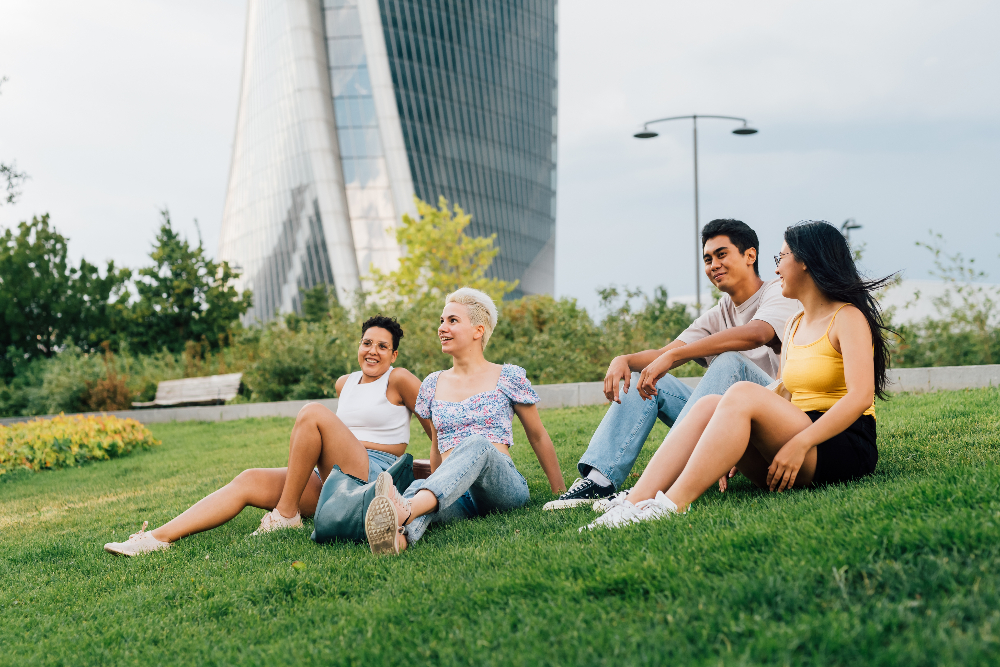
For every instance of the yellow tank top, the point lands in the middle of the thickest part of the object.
(814, 373)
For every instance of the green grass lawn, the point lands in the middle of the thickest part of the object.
(901, 568)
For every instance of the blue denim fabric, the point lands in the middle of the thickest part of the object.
(474, 480)
(624, 429)
(379, 461)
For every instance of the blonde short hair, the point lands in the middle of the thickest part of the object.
(482, 310)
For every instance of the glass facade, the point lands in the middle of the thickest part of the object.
(476, 85)
(366, 178)
(349, 107)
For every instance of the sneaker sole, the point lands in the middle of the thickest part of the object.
(381, 526)
(567, 504)
(121, 552)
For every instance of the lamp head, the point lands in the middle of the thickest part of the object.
(744, 130)
(645, 134)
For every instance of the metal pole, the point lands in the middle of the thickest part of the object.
(697, 225)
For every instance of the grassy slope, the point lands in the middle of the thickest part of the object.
(900, 568)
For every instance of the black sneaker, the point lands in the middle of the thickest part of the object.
(583, 492)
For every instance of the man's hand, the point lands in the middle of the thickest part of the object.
(785, 466)
(618, 371)
(724, 480)
(653, 373)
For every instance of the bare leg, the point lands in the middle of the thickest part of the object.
(258, 487)
(669, 460)
(320, 438)
(747, 417)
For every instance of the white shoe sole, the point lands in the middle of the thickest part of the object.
(567, 504)
(381, 525)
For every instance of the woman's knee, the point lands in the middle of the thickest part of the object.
(706, 405)
(313, 412)
(742, 393)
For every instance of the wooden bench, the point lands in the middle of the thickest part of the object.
(421, 468)
(211, 390)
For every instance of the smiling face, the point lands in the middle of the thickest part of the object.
(793, 273)
(375, 353)
(456, 331)
(725, 266)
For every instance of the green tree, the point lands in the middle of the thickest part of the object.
(46, 302)
(440, 257)
(183, 296)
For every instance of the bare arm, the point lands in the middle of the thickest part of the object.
(851, 334)
(541, 443)
(408, 386)
(435, 452)
(339, 386)
(749, 336)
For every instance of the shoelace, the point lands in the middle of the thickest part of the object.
(141, 534)
(577, 485)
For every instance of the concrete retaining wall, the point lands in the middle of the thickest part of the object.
(573, 394)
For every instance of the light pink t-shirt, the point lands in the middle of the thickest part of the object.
(766, 305)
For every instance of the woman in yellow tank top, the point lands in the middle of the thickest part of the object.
(833, 367)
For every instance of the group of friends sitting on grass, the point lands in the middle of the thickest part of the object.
(788, 400)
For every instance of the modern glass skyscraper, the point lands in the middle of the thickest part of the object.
(349, 108)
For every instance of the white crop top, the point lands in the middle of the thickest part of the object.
(369, 415)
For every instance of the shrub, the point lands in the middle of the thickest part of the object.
(69, 441)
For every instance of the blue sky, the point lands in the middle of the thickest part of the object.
(886, 112)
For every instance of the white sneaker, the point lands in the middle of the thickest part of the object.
(137, 543)
(274, 521)
(659, 507)
(616, 517)
(382, 523)
(604, 504)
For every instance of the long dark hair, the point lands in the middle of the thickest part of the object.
(823, 249)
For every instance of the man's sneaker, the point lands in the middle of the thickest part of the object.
(274, 521)
(604, 504)
(137, 543)
(384, 486)
(582, 492)
(382, 523)
(616, 517)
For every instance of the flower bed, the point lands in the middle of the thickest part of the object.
(69, 441)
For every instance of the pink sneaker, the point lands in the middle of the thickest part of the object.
(385, 487)
(382, 523)
(274, 521)
(137, 543)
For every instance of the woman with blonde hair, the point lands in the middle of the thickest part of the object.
(471, 406)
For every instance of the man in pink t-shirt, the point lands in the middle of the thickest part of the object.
(738, 339)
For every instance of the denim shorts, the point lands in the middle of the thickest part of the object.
(379, 461)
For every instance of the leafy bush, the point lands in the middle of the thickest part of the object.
(69, 441)
(966, 330)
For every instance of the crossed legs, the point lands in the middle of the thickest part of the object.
(745, 428)
(319, 439)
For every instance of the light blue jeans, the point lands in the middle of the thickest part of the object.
(474, 480)
(624, 429)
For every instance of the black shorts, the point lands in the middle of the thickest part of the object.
(850, 454)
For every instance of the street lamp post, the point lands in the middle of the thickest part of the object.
(646, 133)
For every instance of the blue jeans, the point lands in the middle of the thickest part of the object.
(474, 480)
(624, 429)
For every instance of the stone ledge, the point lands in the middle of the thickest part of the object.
(569, 395)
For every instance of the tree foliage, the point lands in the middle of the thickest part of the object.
(46, 302)
(183, 296)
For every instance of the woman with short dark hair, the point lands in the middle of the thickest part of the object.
(817, 427)
(370, 430)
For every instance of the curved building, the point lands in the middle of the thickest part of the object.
(350, 108)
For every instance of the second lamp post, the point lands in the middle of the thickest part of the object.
(646, 133)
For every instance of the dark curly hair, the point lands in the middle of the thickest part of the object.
(388, 323)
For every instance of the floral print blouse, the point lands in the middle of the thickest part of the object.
(488, 414)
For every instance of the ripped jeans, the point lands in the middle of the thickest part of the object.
(475, 480)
